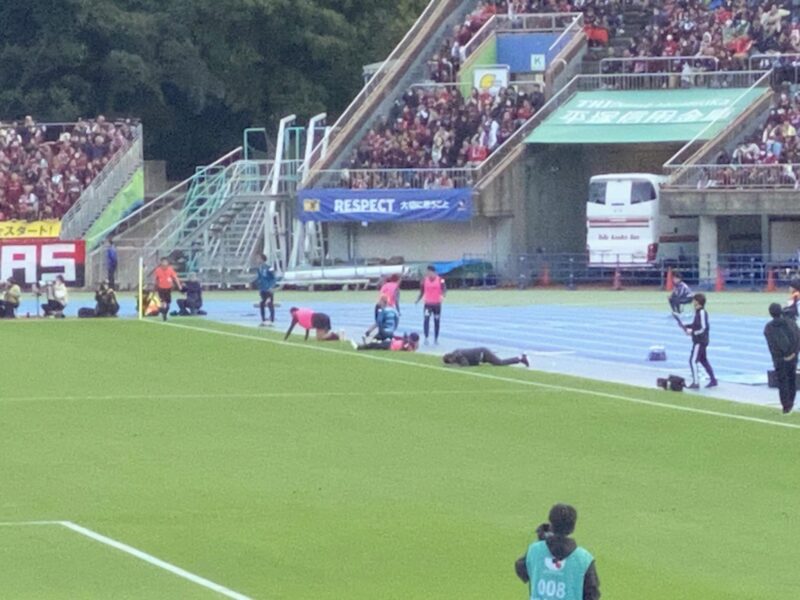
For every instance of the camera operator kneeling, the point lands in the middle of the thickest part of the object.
(56, 298)
(10, 302)
(106, 298)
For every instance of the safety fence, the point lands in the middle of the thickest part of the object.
(739, 271)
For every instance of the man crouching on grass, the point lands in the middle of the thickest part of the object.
(308, 320)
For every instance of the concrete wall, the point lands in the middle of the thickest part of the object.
(421, 241)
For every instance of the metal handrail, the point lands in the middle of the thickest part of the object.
(393, 178)
(754, 58)
(142, 210)
(669, 60)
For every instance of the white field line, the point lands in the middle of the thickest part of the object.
(247, 396)
(148, 558)
(471, 373)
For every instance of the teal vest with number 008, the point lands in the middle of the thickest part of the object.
(553, 579)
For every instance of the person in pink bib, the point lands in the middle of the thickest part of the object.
(432, 290)
(391, 291)
(308, 320)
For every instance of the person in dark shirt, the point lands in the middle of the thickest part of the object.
(783, 340)
(472, 357)
(193, 303)
(107, 304)
(556, 551)
(681, 293)
(699, 332)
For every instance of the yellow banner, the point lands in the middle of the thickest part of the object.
(14, 230)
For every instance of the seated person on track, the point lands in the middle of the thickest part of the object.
(472, 357)
(106, 301)
(681, 293)
(193, 303)
(386, 321)
(10, 302)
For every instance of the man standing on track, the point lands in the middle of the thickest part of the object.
(111, 263)
(266, 281)
(433, 290)
(783, 340)
(472, 357)
(555, 566)
(166, 280)
(698, 331)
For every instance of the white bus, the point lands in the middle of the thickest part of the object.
(624, 228)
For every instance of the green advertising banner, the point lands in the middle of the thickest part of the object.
(617, 117)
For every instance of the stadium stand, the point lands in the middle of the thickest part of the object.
(45, 167)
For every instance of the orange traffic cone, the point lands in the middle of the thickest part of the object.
(771, 287)
(720, 283)
(669, 285)
(544, 278)
(617, 283)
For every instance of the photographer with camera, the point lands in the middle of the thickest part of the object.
(10, 302)
(57, 298)
(106, 299)
(555, 566)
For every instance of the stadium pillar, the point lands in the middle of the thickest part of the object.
(707, 250)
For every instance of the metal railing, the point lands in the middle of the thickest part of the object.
(750, 177)
(785, 66)
(175, 194)
(96, 197)
(394, 63)
(396, 178)
(657, 64)
(570, 270)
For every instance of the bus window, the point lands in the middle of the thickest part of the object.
(642, 191)
(597, 192)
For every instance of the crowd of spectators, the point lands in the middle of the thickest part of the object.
(438, 128)
(44, 169)
(767, 157)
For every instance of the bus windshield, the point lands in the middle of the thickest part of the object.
(597, 192)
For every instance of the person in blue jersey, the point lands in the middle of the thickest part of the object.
(386, 321)
(266, 281)
(681, 293)
(555, 566)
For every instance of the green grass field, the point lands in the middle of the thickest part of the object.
(308, 471)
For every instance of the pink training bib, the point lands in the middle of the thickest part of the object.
(303, 316)
(389, 289)
(432, 290)
(396, 345)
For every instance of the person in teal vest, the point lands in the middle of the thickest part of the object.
(555, 566)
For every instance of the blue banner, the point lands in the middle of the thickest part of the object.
(371, 206)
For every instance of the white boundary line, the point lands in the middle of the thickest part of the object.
(256, 395)
(148, 558)
(465, 372)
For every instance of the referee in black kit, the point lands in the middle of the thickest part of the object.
(783, 340)
(698, 330)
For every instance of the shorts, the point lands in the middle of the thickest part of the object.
(321, 321)
(433, 309)
(165, 295)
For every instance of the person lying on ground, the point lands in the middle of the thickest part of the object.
(472, 357)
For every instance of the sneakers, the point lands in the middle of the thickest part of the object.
(524, 360)
(693, 386)
(426, 341)
(267, 324)
(712, 383)
(353, 344)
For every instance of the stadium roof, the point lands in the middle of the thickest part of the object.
(625, 117)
